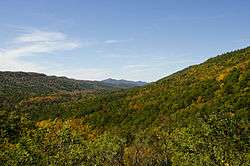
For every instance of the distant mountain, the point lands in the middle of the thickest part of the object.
(18, 85)
(124, 83)
(28, 83)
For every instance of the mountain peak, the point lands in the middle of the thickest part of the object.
(122, 82)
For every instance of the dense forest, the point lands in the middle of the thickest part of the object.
(197, 116)
(19, 85)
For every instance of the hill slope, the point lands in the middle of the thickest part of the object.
(41, 83)
(21, 84)
(198, 116)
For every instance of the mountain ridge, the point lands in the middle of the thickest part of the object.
(124, 82)
(32, 83)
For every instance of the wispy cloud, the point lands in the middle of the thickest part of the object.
(31, 43)
(115, 41)
(37, 41)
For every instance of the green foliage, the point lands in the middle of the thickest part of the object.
(197, 116)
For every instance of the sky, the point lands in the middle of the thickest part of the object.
(122, 39)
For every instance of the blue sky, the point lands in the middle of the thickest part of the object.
(123, 39)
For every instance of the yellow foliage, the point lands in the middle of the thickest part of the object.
(135, 106)
(200, 99)
(223, 75)
(43, 98)
(77, 128)
(43, 124)
(75, 125)
(240, 66)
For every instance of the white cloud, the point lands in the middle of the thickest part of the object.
(40, 36)
(37, 41)
(114, 41)
(31, 43)
(111, 41)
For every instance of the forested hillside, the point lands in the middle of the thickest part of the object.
(19, 85)
(197, 116)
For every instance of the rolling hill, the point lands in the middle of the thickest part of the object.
(17, 85)
(40, 83)
(197, 116)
